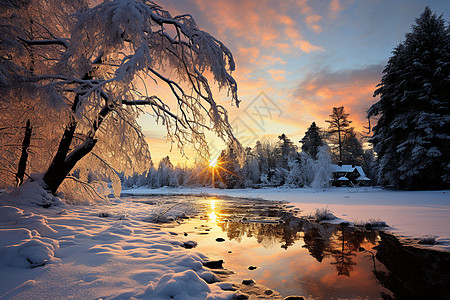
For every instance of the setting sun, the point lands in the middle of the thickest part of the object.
(213, 162)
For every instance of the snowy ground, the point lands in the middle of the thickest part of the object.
(410, 214)
(113, 252)
(98, 252)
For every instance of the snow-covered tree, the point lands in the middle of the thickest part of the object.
(312, 141)
(285, 150)
(85, 72)
(165, 172)
(412, 138)
(250, 171)
(229, 169)
(339, 125)
(322, 169)
(152, 177)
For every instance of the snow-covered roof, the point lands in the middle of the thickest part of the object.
(343, 178)
(348, 169)
(343, 168)
(363, 178)
(361, 171)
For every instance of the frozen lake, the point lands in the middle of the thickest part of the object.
(408, 213)
(296, 256)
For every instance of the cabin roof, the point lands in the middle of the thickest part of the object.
(349, 169)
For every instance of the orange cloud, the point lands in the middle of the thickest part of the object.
(319, 93)
(335, 6)
(312, 21)
(306, 46)
(261, 23)
(268, 60)
(277, 75)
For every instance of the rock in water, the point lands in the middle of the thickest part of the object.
(189, 244)
(215, 264)
(248, 281)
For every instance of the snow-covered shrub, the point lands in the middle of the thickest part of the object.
(427, 240)
(32, 193)
(74, 191)
(296, 174)
(324, 214)
(376, 223)
(322, 169)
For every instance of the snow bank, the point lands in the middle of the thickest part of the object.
(26, 249)
(22, 245)
(92, 252)
(31, 193)
(185, 285)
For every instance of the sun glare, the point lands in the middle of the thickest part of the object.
(213, 162)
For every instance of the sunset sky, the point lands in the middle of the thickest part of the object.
(296, 60)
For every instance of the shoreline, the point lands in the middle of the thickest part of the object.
(345, 204)
(85, 246)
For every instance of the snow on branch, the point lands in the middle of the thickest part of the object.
(57, 41)
(96, 68)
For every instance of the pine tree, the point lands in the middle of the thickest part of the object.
(339, 125)
(312, 141)
(285, 150)
(352, 151)
(165, 170)
(229, 168)
(412, 138)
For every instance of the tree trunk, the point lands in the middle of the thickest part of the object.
(340, 144)
(63, 162)
(24, 156)
(58, 170)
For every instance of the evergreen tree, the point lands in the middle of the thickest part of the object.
(339, 125)
(229, 168)
(368, 164)
(412, 138)
(312, 141)
(250, 170)
(352, 151)
(285, 150)
(165, 170)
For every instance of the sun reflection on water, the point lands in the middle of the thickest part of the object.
(213, 216)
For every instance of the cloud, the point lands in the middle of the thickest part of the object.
(260, 23)
(312, 21)
(335, 6)
(316, 95)
(277, 75)
(268, 60)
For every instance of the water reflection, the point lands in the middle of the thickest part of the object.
(212, 216)
(322, 240)
(268, 235)
(321, 261)
(412, 273)
(298, 256)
